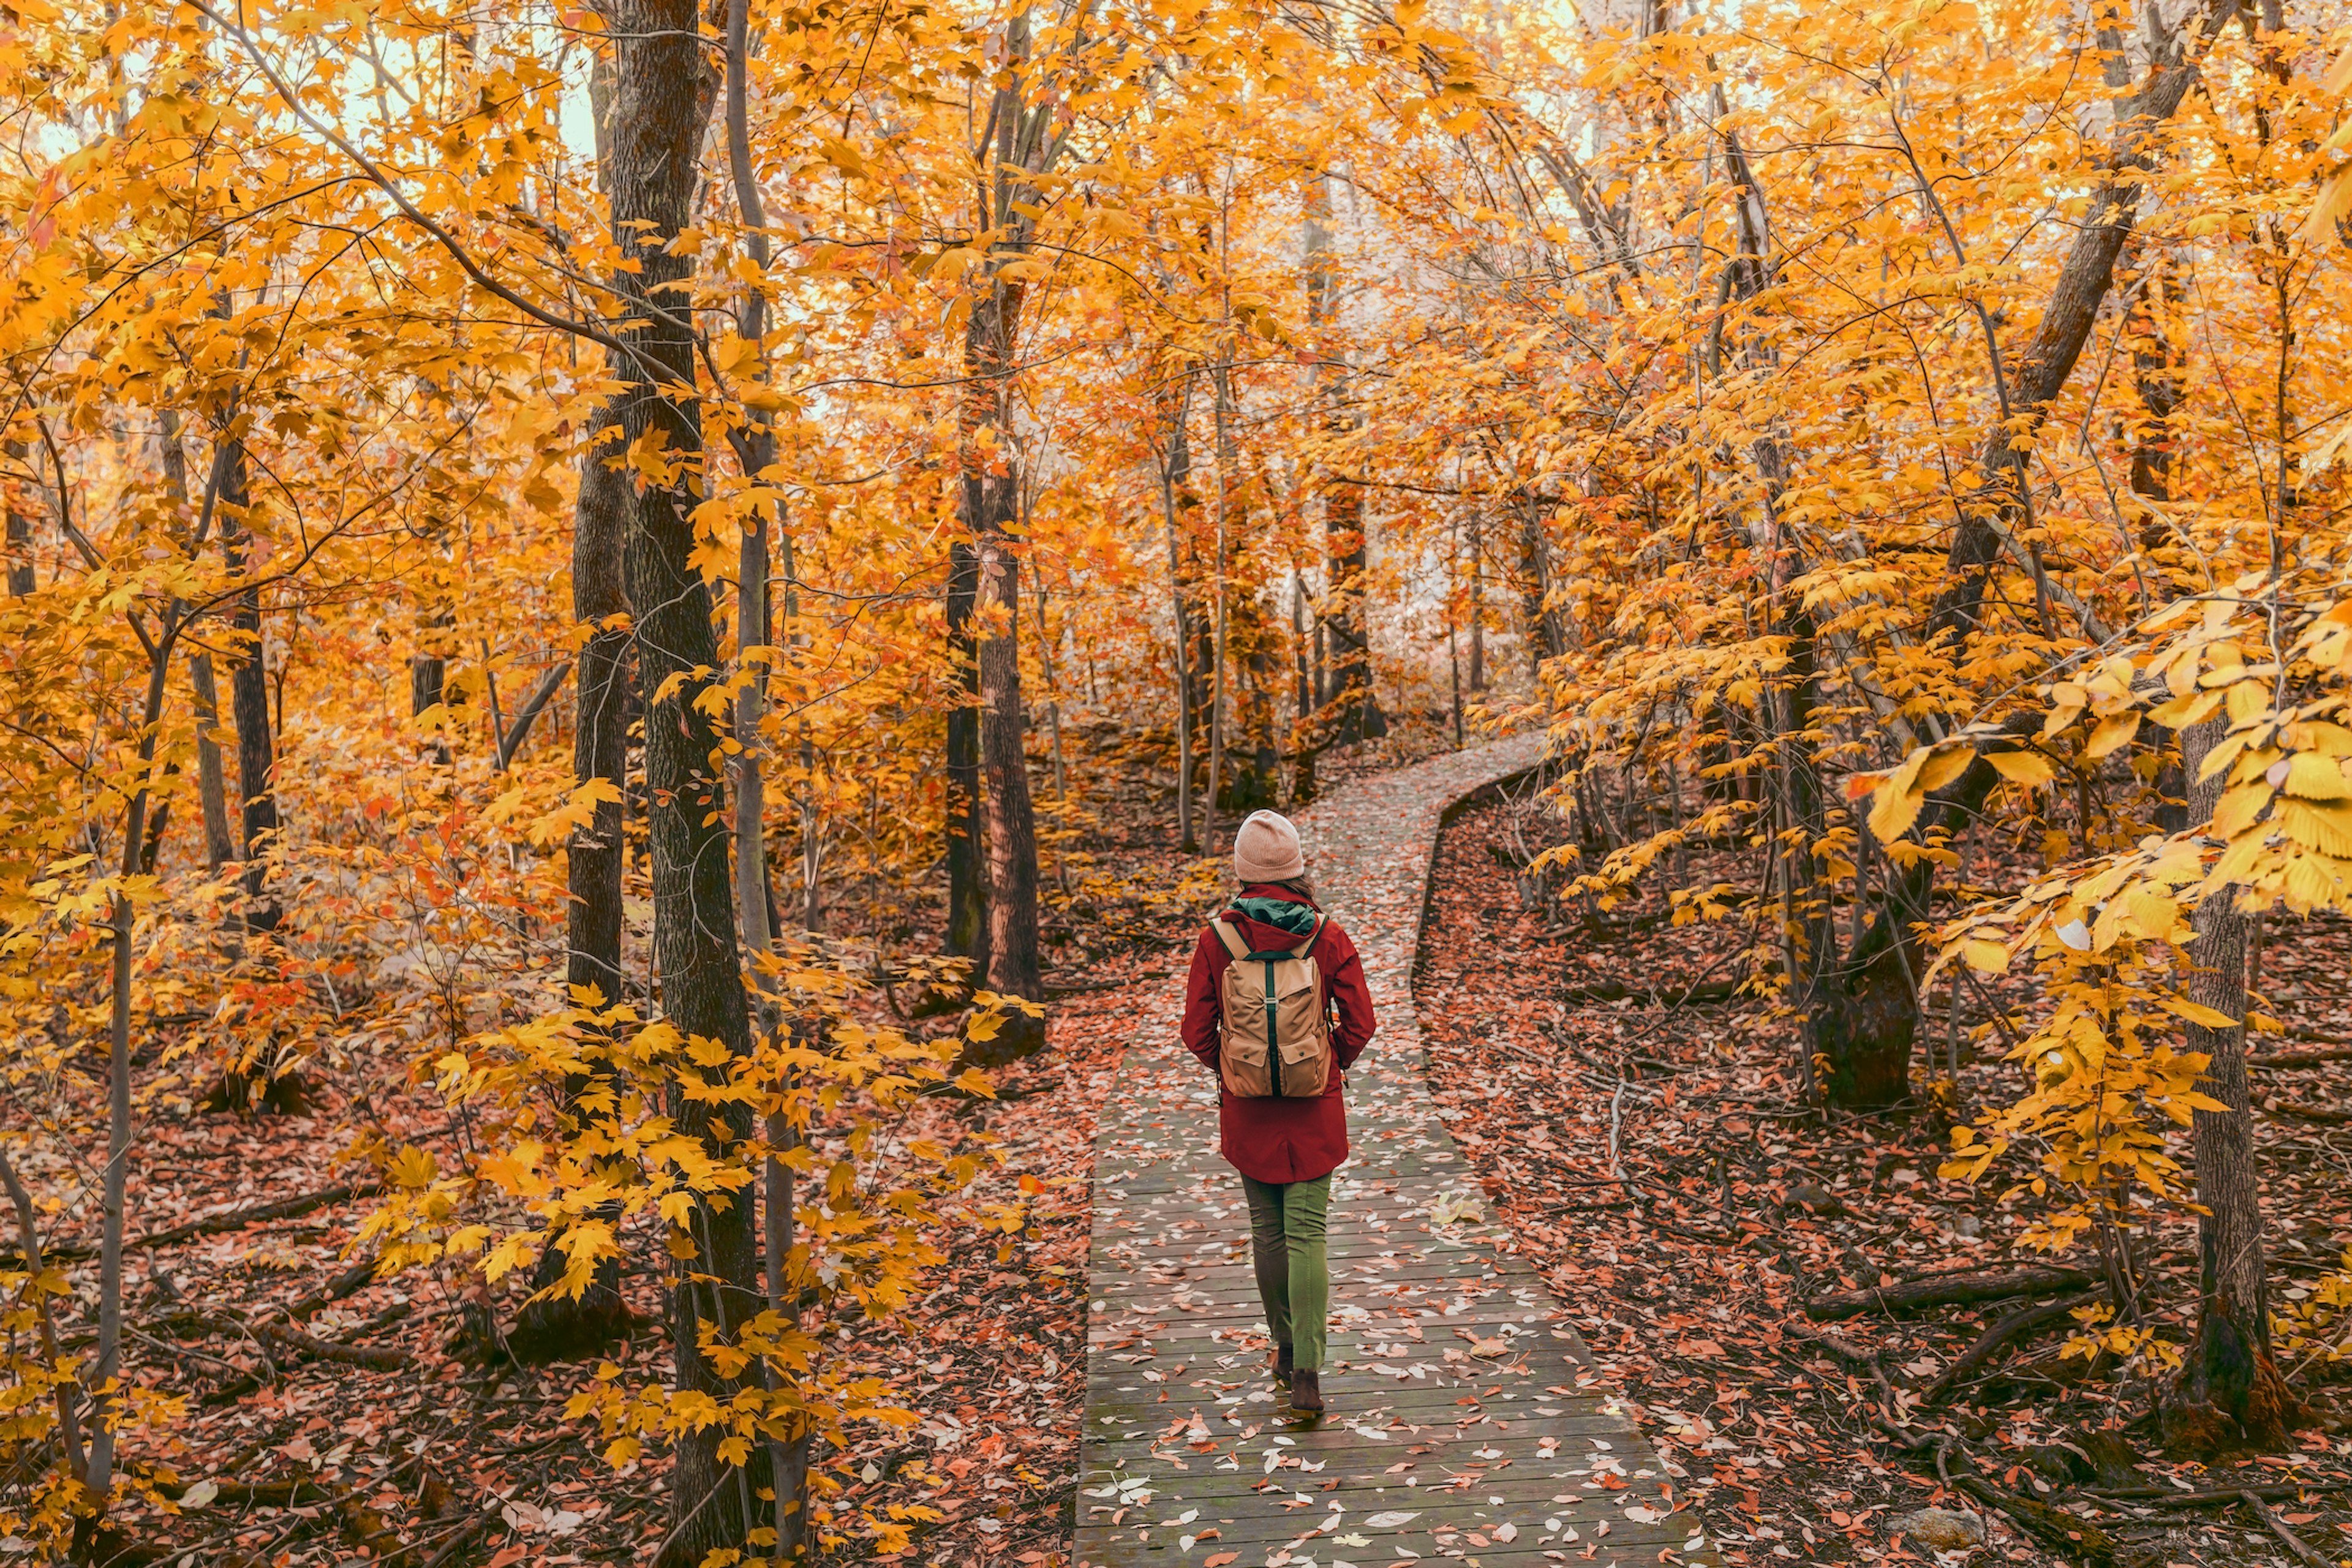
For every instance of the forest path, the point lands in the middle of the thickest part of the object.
(1505, 1453)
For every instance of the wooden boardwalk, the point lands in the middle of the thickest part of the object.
(1463, 1422)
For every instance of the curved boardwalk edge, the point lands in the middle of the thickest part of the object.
(1463, 1422)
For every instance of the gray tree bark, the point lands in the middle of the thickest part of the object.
(2228, 1395)
(562, 1328)
(990, 499)
(248, 685)
(663, 91)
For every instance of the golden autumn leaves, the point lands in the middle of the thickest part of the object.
(2262, 666)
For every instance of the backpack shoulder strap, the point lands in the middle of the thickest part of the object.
(1230, 937)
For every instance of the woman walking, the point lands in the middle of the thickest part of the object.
(1268, 976)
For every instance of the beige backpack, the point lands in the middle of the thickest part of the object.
(1277, 1041)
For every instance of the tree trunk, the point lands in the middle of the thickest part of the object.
(1247, 760)
(248, 685)
(1176, 465)
(563, 1328)
(1354, 713)
(1302, 713)
(1215, 800)
(967, 933)
(662, 94)
(20, 528)
(116, 1179)
(427, 676)
(991, 501)
(1543, 633)
(212, 785)
(1014, 967)
(2228, 1395)
(1054, 728)
(1477, 676)
(755, 448)
(1453, 647)
(2155, 376)
(559, 1328)
(1863, 1013)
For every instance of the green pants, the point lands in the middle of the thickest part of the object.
(1294, 1278)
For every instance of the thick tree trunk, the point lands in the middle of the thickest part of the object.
(1863, 1014)
(2155, 376)
(2228, 1395)
(563, 1328)
(967, 933)
(990, 498)
(1014, 967)
(662, 95)
(1356, 711)
(248, 685)
(427, 676)
(1861, 1010)
(566, 1328)
(1257, 782)
(990, 506)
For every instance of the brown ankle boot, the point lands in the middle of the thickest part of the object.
(1282, 1362)
(1305, 1392)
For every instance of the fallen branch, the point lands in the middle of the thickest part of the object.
(2325, 1113)
(347, 1283)
(260, 1494)
(1950, 1290)
(2302, 1058)
(459, 1542)
(236, 1219)
(2007, 1332)
(2053, 1529)
(2169, 1496)
(330, 1350)
(1618, 991)
(2292, 1541)
(1845, 1349)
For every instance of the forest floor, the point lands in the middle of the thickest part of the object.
(333, 1418)
(1736, 1205)
(1688, 1283)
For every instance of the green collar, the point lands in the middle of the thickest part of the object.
(1296, 919)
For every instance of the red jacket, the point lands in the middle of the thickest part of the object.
(1271, 1139)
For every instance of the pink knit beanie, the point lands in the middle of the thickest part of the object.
(1266, 849)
